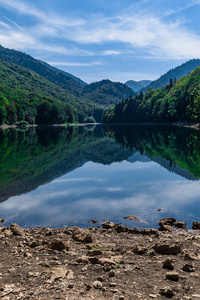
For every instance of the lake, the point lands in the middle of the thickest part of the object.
(66, 176)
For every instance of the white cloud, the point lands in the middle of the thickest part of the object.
(4, 25)
(135, 29)
(21, 7)
(76, 64)
(111, 52)
(11, 21)
(145, 32)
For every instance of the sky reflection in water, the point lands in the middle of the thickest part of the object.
(109, 192)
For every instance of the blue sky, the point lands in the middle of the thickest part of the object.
(97, 39)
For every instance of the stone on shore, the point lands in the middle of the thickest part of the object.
(196, 225)
(173, 276)
(59, 245)
(81, 235)
(17, 230)
(180, 224)
(164, 248)
(166, 224)
(109, 225)
(167, 264)
(132, 218)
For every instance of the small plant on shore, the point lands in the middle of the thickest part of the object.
(98, 248)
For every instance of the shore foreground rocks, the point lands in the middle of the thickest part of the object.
(113, 262)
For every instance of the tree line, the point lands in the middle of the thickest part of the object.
(177, 101)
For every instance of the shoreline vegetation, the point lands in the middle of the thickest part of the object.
(108, 262)
(181, 124)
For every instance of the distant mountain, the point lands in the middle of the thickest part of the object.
(178, 72)
(136, 86)
(106, 92)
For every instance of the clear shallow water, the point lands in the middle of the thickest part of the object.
(90, 176)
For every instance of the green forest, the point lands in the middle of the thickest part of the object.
(27, 96)
(34, 156)
(179, 100)
(33, 91)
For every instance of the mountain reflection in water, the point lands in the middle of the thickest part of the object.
(104, 172)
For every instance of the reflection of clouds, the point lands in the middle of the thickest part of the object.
(114, 189)
(105, 194)
(77, 180)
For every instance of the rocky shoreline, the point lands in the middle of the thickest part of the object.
(108, 262)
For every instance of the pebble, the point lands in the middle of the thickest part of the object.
(174, 276)
(97, 284)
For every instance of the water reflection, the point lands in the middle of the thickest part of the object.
(83, 174)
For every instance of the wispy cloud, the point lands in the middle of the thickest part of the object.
(76, 64)
(4, 25)
(111, 52)
(134, 29)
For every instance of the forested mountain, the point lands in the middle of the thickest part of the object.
(106, 92)
(25, 95)
(175, 73)
(76, 79)
(137, 85)
(177, 101)
(27, 61)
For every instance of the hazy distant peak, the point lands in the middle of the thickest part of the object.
(137, 85)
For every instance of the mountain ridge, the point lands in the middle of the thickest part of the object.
(174, 73)
(104, 94)
(136, 86)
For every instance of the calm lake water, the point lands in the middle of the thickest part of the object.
(61, 176)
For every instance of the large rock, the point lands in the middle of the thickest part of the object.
(121, 228)
(97, 284)
(196, 225)
(166, 224)
(84, 236)
(109, 225)
(180, 224)
(17, 230)
(188, 268)
(164, 248)
(167, 264)
(134, 218)
(167, 221)
(173, 276)
(59, 245)
(167, 292)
